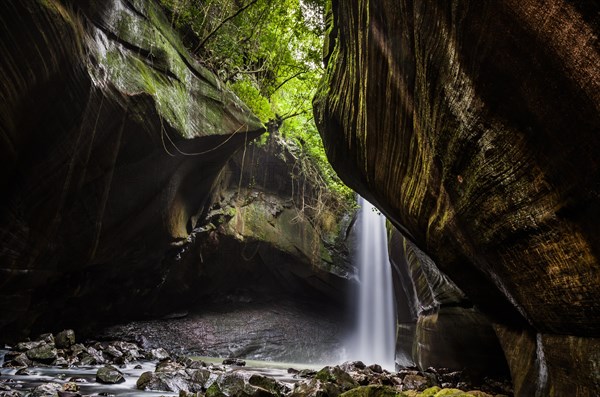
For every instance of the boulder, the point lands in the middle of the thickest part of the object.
(372, 391)
(167, 381)
(45, 353)
(109, 375)
(234, 361)
(46, 390)
(159, 354)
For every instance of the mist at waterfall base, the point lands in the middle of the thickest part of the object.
(374, 338)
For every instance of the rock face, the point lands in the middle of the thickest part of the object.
(473, 126)
(439, 326)
(112, 137)
(260, 267)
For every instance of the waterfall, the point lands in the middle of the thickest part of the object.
(375, 338)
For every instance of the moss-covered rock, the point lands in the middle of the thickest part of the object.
(111, 131)
(372, 391)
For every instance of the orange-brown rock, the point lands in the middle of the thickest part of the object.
(474, 127)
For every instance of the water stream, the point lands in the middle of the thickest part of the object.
(374, 341)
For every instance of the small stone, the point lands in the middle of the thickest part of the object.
(110, 375)
(22, 372)
(376, 368)
(61, 362)
(307, 373)
(47, 338)
(65, 339)
(70, 386)
(234, 361)
(138, 366)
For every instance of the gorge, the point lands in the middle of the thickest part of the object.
(162, 184)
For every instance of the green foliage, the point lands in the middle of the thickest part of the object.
(249, 93)
(269, 52)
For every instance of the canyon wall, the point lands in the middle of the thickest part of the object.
(474, 127)
(112, 139)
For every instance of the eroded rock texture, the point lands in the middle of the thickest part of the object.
(438, 326)
(268, 270)
(112, 137)
(474, 127)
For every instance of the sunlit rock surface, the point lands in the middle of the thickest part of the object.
(474, 126)
(112, 137)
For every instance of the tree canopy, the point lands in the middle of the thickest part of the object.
(270, 53)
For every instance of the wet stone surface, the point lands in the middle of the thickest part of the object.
(121, 368)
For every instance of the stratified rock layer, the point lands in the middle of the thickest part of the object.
(112, 136)
(474, 127)
(438, 325)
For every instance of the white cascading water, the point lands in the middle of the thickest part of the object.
(375, 339)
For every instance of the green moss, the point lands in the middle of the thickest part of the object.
(451, 393)
(430, 392)
(214, 391)
(373, 391)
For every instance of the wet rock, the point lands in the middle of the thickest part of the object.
(315, 388)
(24, 346)
(376, 368)
(61, 362)
(234, 361)
(20, 361)
(113, 352)
(64, 393)
(349, 366)
(46, 390)
(371, 391)
(306, 373)
(96, 356)
(168, 366)
(47, 338)
(269, 384)
(190, 363)
(337, 376)
(166, 381)
(200, 377)
(65, 339)
(22, 372)
(159, 354)
(71, 386)
(228, 384)
(110, 375)
(77, 349)
(45, 353)
(69, 390)
(415, 382)
(10, 393)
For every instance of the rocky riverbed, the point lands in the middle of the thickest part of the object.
(58, 366)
